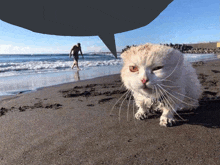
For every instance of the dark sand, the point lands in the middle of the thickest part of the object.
(71, 124)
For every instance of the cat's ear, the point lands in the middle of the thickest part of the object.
(123, 55)
(127, 53)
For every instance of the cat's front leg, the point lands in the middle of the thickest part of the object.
(167, 118)
(142, 112)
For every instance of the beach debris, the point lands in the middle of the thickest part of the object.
(93, 90)
(202, 77)
(3, 111)
(56, 106)
(40, 105)
(37, 105)
(215, 71)
(23, 108)
(91, 85)
(205, 93)
(90, 105)
(104, 100)
(199, 63)
(78, 87)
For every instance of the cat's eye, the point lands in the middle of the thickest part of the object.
(133, 68)
(157, 68)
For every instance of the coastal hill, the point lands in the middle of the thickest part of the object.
(208, 45)
(200, 48)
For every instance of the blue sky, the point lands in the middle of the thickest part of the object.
(183, 21)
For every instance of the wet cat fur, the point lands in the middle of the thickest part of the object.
(158, 75)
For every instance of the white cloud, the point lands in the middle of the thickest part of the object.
(11, 49)
(4, 49)
(94, 49)
(14, 49)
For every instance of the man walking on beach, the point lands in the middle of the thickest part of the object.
(74, 52)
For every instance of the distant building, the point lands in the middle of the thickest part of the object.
(218, 44)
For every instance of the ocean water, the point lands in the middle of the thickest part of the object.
(29, 72)
(15, 65)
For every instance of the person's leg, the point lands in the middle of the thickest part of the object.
(74, 63)
(77, 65)
(76, 59)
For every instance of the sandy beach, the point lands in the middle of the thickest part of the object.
(73, 124)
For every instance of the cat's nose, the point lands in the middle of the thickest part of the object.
(144, 80)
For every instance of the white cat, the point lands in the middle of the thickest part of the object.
(159, 77)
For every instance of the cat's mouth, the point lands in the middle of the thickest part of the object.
(146, 88)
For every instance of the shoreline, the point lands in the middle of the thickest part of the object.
(13, 85)
(17, 94)
(20, 93)
(55, 78)
(76, 77)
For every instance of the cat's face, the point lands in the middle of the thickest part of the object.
(147, 65)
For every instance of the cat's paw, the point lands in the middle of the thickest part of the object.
(141, 115)
(166, 121)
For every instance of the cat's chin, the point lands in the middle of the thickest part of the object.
(147, 90)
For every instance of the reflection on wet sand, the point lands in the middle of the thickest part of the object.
(76, 76)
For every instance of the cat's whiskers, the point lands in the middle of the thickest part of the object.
(186, 96)
(163, 97)
(128, 106)
(178, 98)
(121, 86)
(163, 91)
(119, 100)
(156, 94)
(153, 93)
(177, 92)
(170, 86)
(165, 81)
(134, 113)
(167, 96)
(119, 113)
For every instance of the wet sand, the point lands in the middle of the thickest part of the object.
(73, 124)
